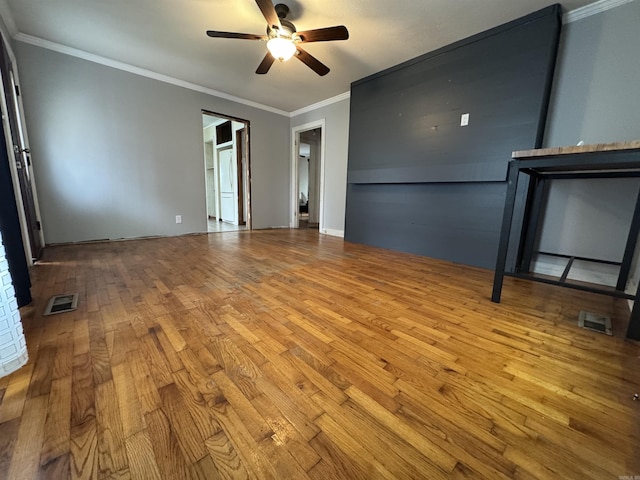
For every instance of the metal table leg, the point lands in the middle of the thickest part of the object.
(505, 232)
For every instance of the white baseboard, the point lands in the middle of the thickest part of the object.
(333, 233)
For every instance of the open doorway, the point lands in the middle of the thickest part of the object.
(227, 172)
(307, 172)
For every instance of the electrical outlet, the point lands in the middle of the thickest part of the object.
(464, 120)
(178, 218)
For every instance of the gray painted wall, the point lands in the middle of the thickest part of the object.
(595, 99)
(336, 134)
(117, 155)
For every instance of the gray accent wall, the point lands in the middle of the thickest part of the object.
(118, 155)
(418, 180)
(595, 99)
(336, 116)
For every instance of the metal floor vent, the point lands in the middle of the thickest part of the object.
(596, 322)
(62, 303)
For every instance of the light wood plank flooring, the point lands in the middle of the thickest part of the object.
(293, 355)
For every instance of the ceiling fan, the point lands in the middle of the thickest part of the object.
(283, 41)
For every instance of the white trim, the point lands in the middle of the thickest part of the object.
(323, 135)
(7, 19)
(74, 52)
(295, 139)
(592, 9)
(323, 103)
(333, 233)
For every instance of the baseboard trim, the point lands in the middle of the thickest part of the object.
(333, 233)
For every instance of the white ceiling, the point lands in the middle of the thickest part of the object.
(168, 37)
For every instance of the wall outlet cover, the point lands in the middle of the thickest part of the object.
(464, 120)
(178, 218)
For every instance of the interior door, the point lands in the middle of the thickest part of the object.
(228, 186)
(21, 152)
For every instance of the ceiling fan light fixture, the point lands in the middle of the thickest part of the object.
(281, 48)
(283, 39)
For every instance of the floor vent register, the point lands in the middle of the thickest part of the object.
(62, 303)
(596, 322)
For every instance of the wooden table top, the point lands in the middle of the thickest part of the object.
(573, 149)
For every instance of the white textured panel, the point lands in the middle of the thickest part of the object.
(13, 349)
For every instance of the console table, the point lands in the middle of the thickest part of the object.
(611, 160)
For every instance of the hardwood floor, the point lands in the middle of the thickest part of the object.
(292, 355)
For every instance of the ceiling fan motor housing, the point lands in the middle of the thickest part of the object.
(287, 29)
(282, 10)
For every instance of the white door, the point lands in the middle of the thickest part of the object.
(228, 186)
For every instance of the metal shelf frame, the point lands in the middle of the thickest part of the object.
(620, 160)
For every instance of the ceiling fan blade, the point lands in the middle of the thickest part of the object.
(266, 63)
(312, 62)
(324, 34)
(242, 36)
(269, 12)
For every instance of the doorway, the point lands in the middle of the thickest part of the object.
(226, 172)
(307, 173)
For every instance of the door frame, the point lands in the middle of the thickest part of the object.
(294, 215)
(246, 184)
(240, 150)
(5, 105)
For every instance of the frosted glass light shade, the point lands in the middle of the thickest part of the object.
(13, 348)
(281, 48)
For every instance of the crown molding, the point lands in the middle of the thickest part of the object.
(7, 18)
(592, 9)
(74, 52)
(323, 103)
(12, 31)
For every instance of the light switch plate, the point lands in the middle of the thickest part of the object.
(464, 120)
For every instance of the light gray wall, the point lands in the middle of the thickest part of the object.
(595, 99)
(117, 155)
(595, 93)
(336, 134)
